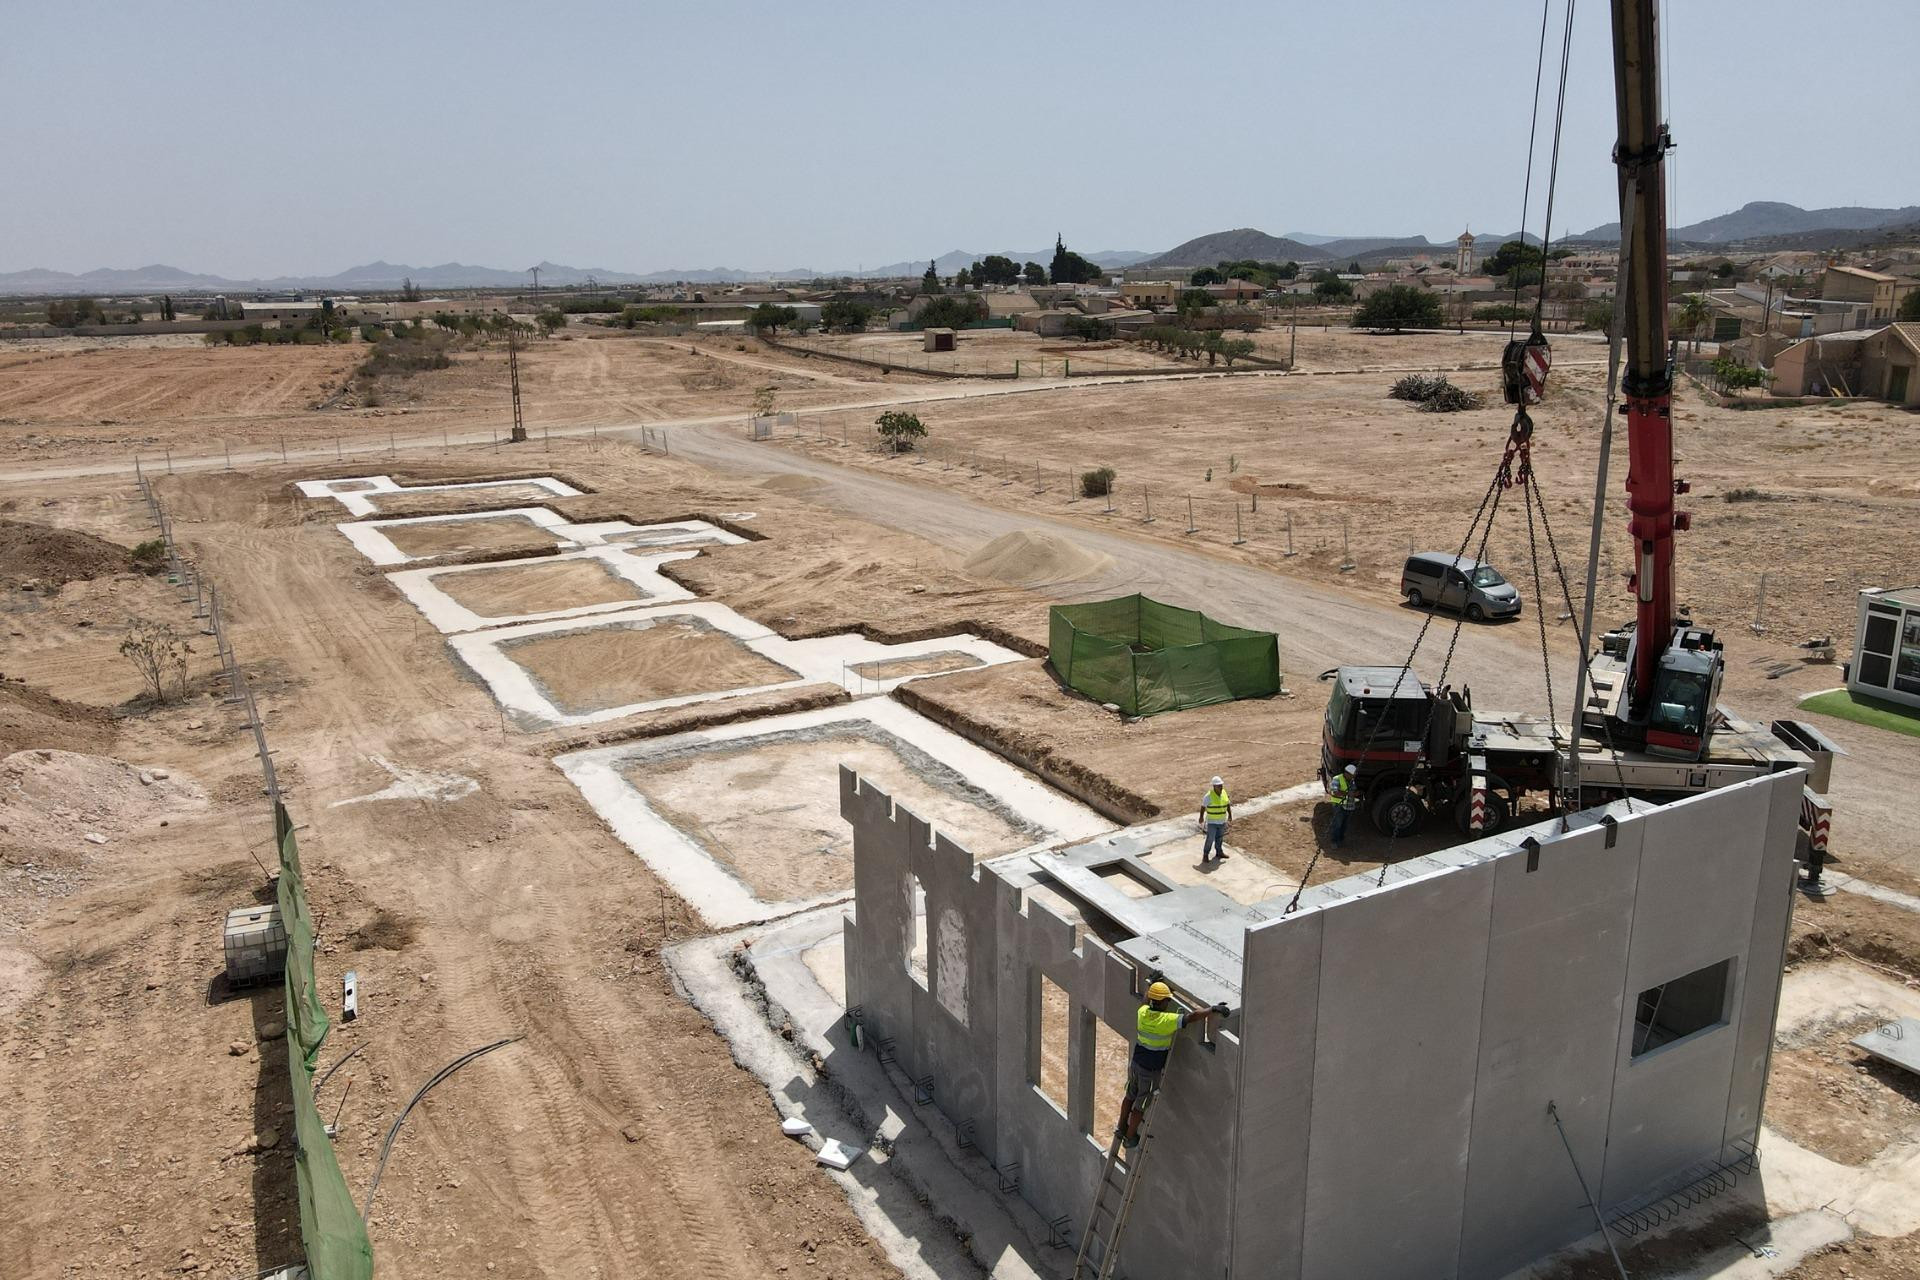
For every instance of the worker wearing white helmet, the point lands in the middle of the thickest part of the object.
(1216, 811)
(1345, 790)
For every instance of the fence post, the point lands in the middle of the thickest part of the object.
(1238, 536)
(1191, 526)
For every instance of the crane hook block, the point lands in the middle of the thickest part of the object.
(1523, 368)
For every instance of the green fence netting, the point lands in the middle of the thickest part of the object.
(1147, 657)
(330, 1225)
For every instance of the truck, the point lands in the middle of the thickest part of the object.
(1648, 722)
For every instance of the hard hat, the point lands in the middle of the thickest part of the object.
(1353, 768)
(1218, 781)
(1159, 991)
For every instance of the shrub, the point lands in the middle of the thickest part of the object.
(900, 429)
(1097, 483)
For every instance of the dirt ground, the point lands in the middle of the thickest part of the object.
(619, 664)
(536, 588)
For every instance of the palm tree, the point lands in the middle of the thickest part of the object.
(1692, 317)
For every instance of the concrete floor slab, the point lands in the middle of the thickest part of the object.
(720, 814)
(820, 660)
(360, 494)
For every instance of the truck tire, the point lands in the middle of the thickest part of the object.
(1497, 814)
(1396, 811)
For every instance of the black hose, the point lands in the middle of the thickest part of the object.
(393, 1132)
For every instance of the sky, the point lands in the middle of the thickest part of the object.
(267, 139)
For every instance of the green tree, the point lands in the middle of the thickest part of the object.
(1329, 287)
(1069, 267)
(1910, 306)
(930, 282)
(952, 311)
(1034, 273)
(900, 429)
(845, 315)
(996, 268)
(1690, 317)
(768, 317)
(1205, 276)
(1400, 306)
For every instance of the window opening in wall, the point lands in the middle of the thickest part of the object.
(1053, 1015)
(1686, 1006)
(917, 942)
(1110, 1053)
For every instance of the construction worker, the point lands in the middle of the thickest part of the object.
(1216, 811)
(1345, 790)
(1158, 1023)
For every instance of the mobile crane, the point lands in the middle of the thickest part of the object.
(1652, 726)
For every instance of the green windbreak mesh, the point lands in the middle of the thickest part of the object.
(330, 1226)
(1147, 657)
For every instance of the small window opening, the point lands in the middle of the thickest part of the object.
(1686, 1006)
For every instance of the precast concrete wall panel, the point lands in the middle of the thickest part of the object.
(1556, 966)
(1397, 1047)
(1694, 907)
(1759, 1001)
(1281, 975)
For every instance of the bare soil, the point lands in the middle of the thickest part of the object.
(619, 664)
(536, 588)
(450, 537)
(770, 812)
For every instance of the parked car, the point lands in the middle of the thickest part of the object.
(1458, 582)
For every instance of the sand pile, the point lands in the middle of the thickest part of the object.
(1032, 558)
(51, 558)
(792, 483)
(66, 801)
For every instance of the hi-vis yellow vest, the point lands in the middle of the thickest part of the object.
(1217, 803)
(1157, 1029)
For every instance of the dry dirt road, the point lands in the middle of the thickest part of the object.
(1320, 627)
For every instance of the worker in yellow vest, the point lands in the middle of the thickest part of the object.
(1158, 1023)
(1345, 790)
(1216, 811)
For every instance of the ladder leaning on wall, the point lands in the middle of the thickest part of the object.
(1113, 1198)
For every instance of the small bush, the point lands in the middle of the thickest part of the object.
(150, 556)
(1097, 483)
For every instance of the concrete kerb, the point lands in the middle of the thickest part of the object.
(824, 660)
(721, 898)
(914, 1190)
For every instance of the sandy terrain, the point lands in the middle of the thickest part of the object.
(770, 811)
(617, 664)
(536, 588)
(450, 537)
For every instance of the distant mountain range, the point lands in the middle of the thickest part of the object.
(1761, 224)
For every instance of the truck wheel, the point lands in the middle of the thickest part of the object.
(1496, 819)
(1398, 812)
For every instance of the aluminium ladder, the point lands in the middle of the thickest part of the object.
(1113, 1200)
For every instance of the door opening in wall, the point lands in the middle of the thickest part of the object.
(1687, 1006)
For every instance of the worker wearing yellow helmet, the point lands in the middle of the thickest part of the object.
(1158, 1022)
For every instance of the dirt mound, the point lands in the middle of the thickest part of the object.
(51, 558)
(1032, 558)
(64, 801)
(30, 718)
(792, 483)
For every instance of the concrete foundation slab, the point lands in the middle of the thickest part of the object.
(724, 814)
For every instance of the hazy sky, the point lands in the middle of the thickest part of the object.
(261, 139)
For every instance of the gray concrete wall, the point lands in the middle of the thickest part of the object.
(1379, 1105)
